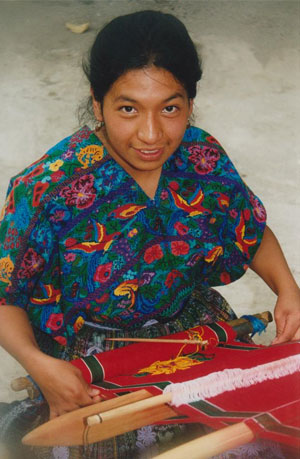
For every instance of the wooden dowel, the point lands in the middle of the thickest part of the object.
(212, 444)
(129, 409)
(241, 326)
(159, 340)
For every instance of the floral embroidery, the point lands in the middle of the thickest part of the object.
(103, 273)
(78, 240)
(180, 248)
(6, 269)
(204, 158)
(90, 154)
(82, 192)
(55, 321)
(153, 253)
(31, 264)
(54, 167)
(145, 437)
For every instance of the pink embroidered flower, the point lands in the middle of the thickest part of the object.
(180, 248)
(69, 257)
(204, 158)
(55, 321)
(259, 211)
(103, 273)
(82, 192)
(153, 253)
(181, 228)
(32, 263)
(163, 195)
(233, 213)
(58, 215)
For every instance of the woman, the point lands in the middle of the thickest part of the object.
(126, 228)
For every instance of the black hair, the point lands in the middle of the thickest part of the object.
(139, 40)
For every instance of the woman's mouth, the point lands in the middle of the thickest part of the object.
(149, 154)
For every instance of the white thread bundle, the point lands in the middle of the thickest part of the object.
(231, 379)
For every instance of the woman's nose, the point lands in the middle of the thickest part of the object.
(150, 130)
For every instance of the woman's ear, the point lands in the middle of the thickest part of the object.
(96, 107)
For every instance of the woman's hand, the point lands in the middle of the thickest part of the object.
(270, 264)
(287, 316)
(62, 385)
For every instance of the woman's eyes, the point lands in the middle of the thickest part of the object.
(128, 109)
(170, 109)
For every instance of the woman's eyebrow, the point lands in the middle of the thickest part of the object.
(174, 96)
(124, 98)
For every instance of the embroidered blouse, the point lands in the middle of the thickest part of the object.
(80, 240)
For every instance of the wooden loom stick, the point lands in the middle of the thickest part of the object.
(241, 326)
(128, 414)
(212, 444)
(159, 340)
(77, 432)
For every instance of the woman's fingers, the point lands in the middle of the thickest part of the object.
(287, 329)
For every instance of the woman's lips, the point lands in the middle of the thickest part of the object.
(149, 154)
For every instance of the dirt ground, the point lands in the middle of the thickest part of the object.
(248, 99)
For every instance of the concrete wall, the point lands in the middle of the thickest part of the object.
(248, 99)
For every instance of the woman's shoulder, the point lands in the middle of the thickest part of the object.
(195, 135)
(78, 150)
(202, 157)
(69, 158)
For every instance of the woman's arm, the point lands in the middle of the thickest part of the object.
(270, 264)
(61, 383)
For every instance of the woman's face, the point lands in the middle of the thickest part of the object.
(145, 114)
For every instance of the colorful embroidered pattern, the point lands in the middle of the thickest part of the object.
(81, 240)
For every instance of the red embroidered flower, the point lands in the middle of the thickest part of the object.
(153, 253)
(34, 173)
(180, 248)
(82, 192)
(211, 139)
(55, 321)
(174, 185)
(204, 158)
(56, 176)
(32, 263)
(103, 273)
(181, 228)
(171, 277)
(225, 278)
(247, 214)
(38, 191)
(61, 340)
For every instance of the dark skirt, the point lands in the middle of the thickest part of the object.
(19, 417)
